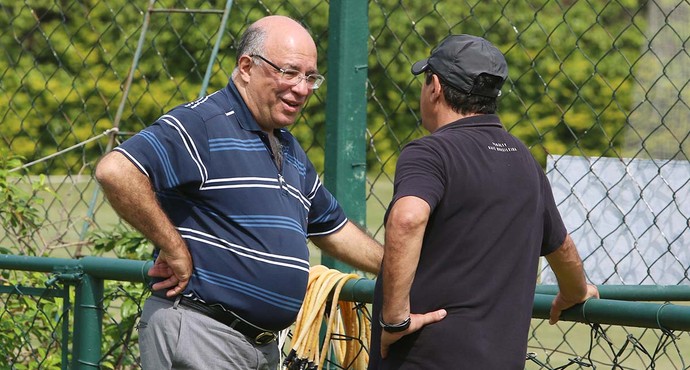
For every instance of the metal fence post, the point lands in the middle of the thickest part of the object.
(346, 110)
(88, 315)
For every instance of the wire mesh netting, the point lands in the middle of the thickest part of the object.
(597, 90)
(33, 327)
(37, 324)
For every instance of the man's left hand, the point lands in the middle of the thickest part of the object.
(561, 304)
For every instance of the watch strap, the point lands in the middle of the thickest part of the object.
(394, 328)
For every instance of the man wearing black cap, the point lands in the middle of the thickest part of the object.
(471, 213)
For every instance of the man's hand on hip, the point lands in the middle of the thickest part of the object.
(417, 321)
(175, 268)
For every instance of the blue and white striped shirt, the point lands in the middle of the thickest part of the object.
(246, 224)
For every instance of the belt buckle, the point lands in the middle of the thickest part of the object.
(265, 337)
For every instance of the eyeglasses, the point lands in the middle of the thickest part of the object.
(294, 77)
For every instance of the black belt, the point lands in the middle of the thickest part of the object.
(258, 335)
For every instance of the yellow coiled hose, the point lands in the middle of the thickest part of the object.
(347, 332)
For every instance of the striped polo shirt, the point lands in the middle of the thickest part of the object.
(245, 222)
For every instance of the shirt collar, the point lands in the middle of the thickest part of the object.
(244, 116)
(479, 120)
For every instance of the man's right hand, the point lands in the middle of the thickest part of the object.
(131, 194)
(175, 268)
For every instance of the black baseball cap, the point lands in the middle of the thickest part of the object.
(459, 59)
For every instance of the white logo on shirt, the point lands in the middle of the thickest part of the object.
(501, 147)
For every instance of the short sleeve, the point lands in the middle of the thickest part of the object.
(326, 216)
(419, 172)
(554, 228)
(167, 152)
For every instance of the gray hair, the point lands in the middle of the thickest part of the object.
(252, 42)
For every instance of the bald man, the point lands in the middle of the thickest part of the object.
(229, 198)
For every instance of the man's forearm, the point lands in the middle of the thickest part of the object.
(404, 237)
(352, 246)
(567, 266)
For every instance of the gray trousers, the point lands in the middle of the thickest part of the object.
(176, 337)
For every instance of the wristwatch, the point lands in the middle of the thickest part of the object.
(394, 328)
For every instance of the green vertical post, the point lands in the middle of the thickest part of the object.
(66, 304)
(88, 317)
(346, 109)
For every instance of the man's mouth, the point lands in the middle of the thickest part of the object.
(292, 104)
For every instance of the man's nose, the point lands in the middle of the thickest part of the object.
(302, 87)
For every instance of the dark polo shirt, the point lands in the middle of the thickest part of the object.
(492, 216)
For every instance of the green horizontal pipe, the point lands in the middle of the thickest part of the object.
(634, 292)
(624, 313)
(38, 264)
(117, 269)
(30, 291)
(360, 290)
(98, 267)
(604, 311)
(612, 309)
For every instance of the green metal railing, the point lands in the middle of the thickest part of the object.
(634, 292)
(87, 276)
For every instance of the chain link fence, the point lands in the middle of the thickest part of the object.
(37, 326)
(597, 90)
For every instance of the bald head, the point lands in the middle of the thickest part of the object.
(273, 31)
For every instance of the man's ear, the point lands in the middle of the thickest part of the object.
(436, 92)
(244, 66)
